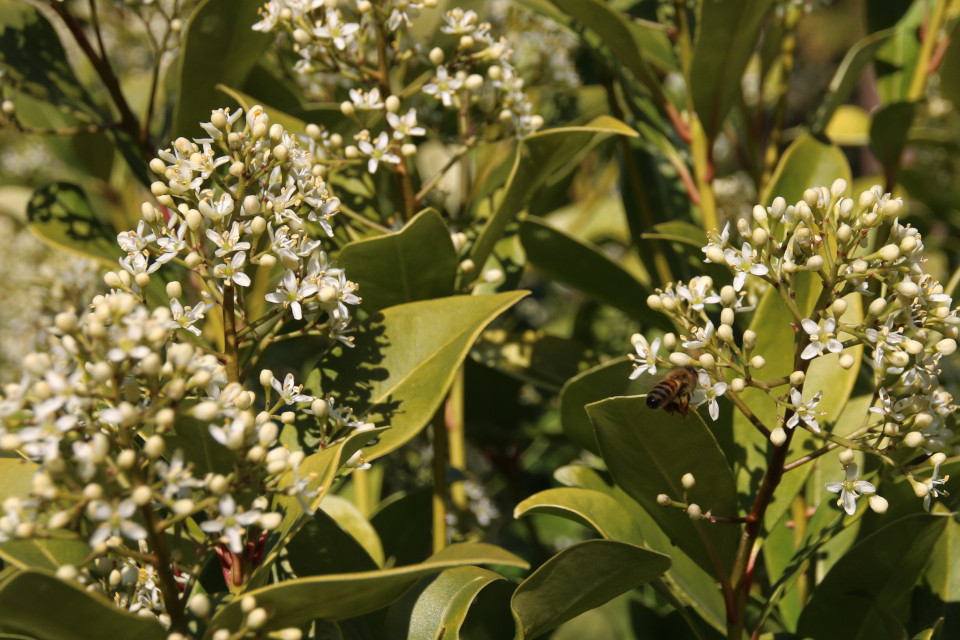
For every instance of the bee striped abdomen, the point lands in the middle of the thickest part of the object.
(673, 392)
(662, 393)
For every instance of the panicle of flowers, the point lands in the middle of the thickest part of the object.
(877, 295)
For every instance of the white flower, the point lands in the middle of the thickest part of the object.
(459, 22)
(804, 410)
(289, 392)
(709, 394)
(230, 524)
(443, 87)
(933, 486)
(646, 358)
(357, 462)
(341, 34)
(743, 263)
(114, 522)
(184, 318)
(232, 271)
(136, 241)
(378, 153)
(850, 489)
(290, 292)
(405, 125)
(695, 293)
(228, 242)
(369, 101)
(701, 337)
(820, 338)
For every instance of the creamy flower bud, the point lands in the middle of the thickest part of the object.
(112, 279)
(908, 288)
(920, 489)
(728, 296)
(760, 215)
(199, 605)
(436, 55)
(898, 359)
(248, 604)
(266, 378)
(913, 347)
(937, 458)
(153, 447)
(844, 233)
(693, 510)
(839, 307)
(218, 484)
(725, 333)
(679, 359)
(467, 266)
(687, 481)
(67, 572)
(206, 411)
(877, 504)
(846, 457)
(670, 341)
(668, 303)
(707, 361)
(758, 362)
(947, 346)
(93, 491)
(142, 280)
(474, 82)
(727, 316)
(715, 254)
(183, 507)
(877, 307)
(749, 339)
(281, 152)
(268, 261)
(846, 361)
(913, 439)
(892, 208)
(738, 384)
(408, 149)
(653, 302)
(141, 495)
(869, 220)
(759, 236)
(889, 252)
(663, 500)
(126, 459)
(269, 521)
(815, 263)
(778, 436)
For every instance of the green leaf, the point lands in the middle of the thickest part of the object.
(603, 381)
(405, 359)
(542, 157)
(403, 523)
(16, 477)
(897, 58)
(34, 60)
(806, 163)
(888, 135)
(617, 33)
(846, 77)
(437, 607)
(323, 545)
(398, 268)
(677, 231)
(61, 215)
(219, 46)
(339, 596)
(44, 553)
(726, 37)
(535, 357)
(246, 101)
(647, 452)
(585, 267)
(579, 578)
(192, 437)
(25, 607)
(594, 509)
(871, 572)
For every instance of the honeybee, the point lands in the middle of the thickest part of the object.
(674, 391)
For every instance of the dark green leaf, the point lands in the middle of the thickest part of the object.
(888, 135)
(61, 214)
(594, 509)
(585, 267)
(647, 452)
(405, 359)
(437, 607)
(25, 607)
(896, 60)
(219, 46)
(580, 578)
(44, 553)
(806, 163)
(417, 263)
(322, 547)
(339, 596)
(726, 37)
(403, 523)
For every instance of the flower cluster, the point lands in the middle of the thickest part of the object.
(856, 251)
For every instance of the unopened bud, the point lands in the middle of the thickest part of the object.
(436, 55)
(693, 510)
(749, 339)
(846, 456)
(653, 302)
(877, 504)
(815, 263)
(947, 346)
(847, 361)
(679, 359)
(707, 361)
(725, 333)
(664, 500)
(913, 439)
(715, 254)
(687, 481)
(839, 307)
(778, 436)
(727, 316)
(758, 362)
(877, 307)
(738, 384)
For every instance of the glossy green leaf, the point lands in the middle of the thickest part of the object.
(437, 607)
(404, 361)
(539, 358)
(16, 477)
(888, 135)
(933, 633)
(579, 578)
(806, 163)
(694, 586)
(246, 101)
(61, 214)
(44, 553)
(943, 573)
(726, 37)
(897, 58)
(219, 46)
(192, 437)
(542, 157)
(403, 523)
(348, 516)
(647, 452)
(677, 231)
(603, 381)
(617, 33)
(847, 76)
(324, 545)
(585, 267)
(594, 509)
(34, 60)
(871, 572)
(25, 607)
(339, 596)
(416, 263)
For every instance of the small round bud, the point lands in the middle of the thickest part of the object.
(757, 362)
(474, 82)
(320, 408)
(364, 6)
(670, 341)
(738, 384)
(142, 280)
(728, 296)
(727, 316)
(759, 236)
(126, 459)
(281, 152)
(749, 339)
(778, 436)
(268, 261)
(707, 361)
(408, 149)
(266, 378)
(838, 188)
(847, 361)
(892, 208)
(839, 307)
(669, 303)
(947, 346)
(347, 109)
(467, 266)
(725, 333)
(693, 510)
(679, 359)
(67, 572)
(93, 491)
(923, 420)
(715, 254)
(199, 605)
(920, 490)
(913, 439)
(759, 215)
(815, 263)
(877, 504)
(436, 55)
(889, 252)
(174, 289)
(937, 458)
(153, 447)
(664, 500)
(206, 411)
(159, 167)
(867, 199)
(908, 244)
(112, 280)
(141, 495)
(467, 42)
(913, 347)
(844, 233)
(269, 521)
(846, 456)
(687, 481)
(248, 604)
(288, 417)
(392, 104)
(653, 302)
(877, 307)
